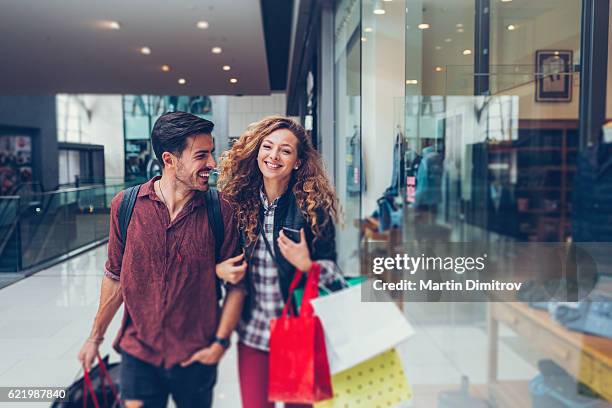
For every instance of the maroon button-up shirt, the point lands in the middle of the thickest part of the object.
(167, 276)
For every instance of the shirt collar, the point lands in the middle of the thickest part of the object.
(264, 200)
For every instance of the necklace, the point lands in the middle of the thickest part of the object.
(162, 192)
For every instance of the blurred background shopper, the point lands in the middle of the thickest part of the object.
(286, 209)
(173, 333)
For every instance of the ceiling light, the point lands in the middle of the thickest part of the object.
(145, 51)
(113, 25)
(363, 39)
(226, 67)
(216, 50)
(467, 52)
(202, 25)
(460, 30)
(506, 1)
(447, 40)
(182, 81)
(233, 80)
(438, 48)
(387, 1)
(411, 82)
(165, 68)
(438, 69)
(459, 25)
(423, 26)
(368, 30)
(379, 8)
(511, 27)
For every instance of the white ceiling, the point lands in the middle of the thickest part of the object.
(54, 46)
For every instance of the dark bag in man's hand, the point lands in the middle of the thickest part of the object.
(99, 389)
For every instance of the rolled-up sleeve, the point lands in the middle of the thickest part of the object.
(112, 267)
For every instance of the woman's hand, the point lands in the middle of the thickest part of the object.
(297, 254)
(229, 271)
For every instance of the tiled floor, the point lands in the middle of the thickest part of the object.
(44, 319)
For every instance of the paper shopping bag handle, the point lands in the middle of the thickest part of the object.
(311, 291)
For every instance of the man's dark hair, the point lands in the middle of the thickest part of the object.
(172, 129)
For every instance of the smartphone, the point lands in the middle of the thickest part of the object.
(292, 234)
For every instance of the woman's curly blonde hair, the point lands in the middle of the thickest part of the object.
(241, 180)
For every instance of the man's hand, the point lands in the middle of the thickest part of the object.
(232, 270)
(88, 353)
(208, 355)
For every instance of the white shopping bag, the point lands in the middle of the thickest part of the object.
(356, 331)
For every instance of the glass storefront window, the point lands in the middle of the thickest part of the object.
(349, 175)
(469, 133)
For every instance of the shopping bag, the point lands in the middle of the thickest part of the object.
(377, 382)
(347, 282)
(98, 388)
(356, 331)
(298, 366)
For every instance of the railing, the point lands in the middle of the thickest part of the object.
(39, 227)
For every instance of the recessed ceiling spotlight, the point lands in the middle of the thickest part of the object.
(202, 25)
(182, 81)
(423, 26)
(233, 80)
(411, 82)
(460, 30)
(368, 30)
(447, 40)
(363, 39)
(145, 51)
(165, 68)
(226, 67)
(379, 9)
(438, 69)
(506, 1)
(438, 48)
(467, 52)
(459, 25)
(112, 25)
(216, 50)
(511, 27)
(387, 1)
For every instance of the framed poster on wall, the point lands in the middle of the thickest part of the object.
(15, 162)
(553, 76)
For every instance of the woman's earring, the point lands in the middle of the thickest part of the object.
(296, 167)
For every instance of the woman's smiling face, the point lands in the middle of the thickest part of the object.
(278, 155)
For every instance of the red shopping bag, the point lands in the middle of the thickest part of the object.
(299, 370)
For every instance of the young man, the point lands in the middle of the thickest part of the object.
(173, 333)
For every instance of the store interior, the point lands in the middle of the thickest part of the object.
(485, 150)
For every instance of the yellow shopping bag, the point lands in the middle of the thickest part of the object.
(379, 382)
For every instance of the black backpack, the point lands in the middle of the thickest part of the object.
(215, 220)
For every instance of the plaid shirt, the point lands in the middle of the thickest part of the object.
(269, 300)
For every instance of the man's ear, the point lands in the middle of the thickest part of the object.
(168, 159)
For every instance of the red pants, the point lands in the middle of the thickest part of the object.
(253, 372)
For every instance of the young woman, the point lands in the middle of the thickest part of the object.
(286, 209)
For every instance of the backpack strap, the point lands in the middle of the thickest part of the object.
(215, 220)
(126, 209)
